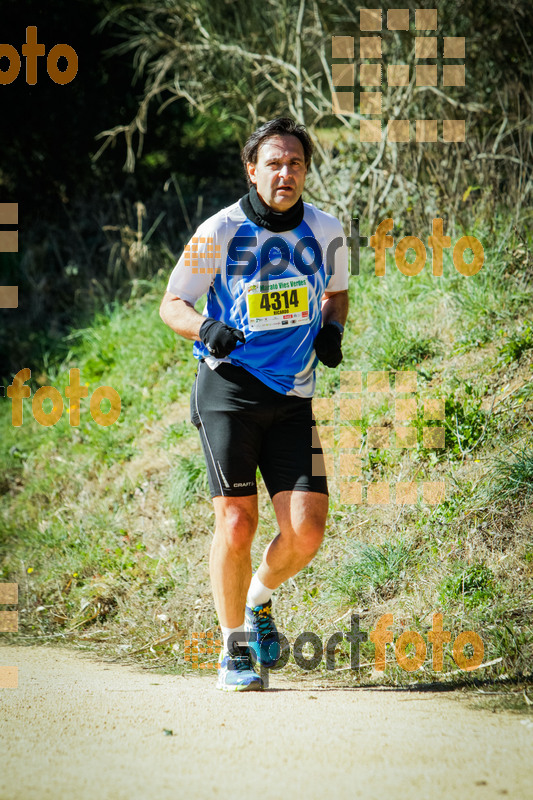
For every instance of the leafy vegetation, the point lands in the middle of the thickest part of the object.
(187, 483)
(518, 343)
(378, 569)
(472, 584)
(513, 478)
(465, 420)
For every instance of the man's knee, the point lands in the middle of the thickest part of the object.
(302, 518)
(236, 521)
(310, 536)
(307, 535)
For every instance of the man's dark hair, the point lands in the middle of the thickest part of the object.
(280, 126)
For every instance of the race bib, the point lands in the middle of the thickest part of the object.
(276, 304)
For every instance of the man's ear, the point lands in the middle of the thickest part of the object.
(250, 167)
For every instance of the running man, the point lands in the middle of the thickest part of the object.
(275, 270)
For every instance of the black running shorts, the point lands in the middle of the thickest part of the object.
(245, 425)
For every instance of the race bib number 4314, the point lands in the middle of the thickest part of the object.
(276, 304)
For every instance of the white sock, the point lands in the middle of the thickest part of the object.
(237, 634)
(258, 593)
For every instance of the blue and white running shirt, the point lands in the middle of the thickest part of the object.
(269, 286)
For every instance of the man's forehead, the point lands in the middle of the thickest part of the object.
(286, 145)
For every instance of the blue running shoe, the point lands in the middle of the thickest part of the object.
(262, 634)
(236, 672)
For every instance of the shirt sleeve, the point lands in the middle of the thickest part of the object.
(197, 266)
(337, 261)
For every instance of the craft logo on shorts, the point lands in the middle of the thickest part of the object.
(342, 440)
(372, 74)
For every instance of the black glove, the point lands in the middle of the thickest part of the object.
(328, 344)
(219, 338)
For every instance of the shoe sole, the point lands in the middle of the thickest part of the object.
(254, 686)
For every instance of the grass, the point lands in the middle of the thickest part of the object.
(466, 423)
(518, 342)
(107, 529)
(513, 478)
(377, 570)
(472, 584)
(399, 348)
(187, 483)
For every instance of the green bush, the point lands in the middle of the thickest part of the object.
(472, 584)
(466, 422)
(519, 341)
(187, 483)
(378, 569)
(514, 478)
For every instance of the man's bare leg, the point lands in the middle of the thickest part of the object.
(230, 564)
(302, 520)
(231, 570)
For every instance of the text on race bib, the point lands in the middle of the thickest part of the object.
(276, 304)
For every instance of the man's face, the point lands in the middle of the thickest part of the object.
(279, 174)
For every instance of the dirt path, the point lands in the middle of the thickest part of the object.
(76, 728)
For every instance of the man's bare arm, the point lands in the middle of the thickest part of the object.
(180, 315)
(335, 307)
